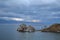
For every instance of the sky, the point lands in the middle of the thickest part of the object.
(30, 10)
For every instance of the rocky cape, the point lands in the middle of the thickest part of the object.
(52, 28)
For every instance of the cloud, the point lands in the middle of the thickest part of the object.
(40, 2)
(30, 10)
(28, 2)
(19, 19)
(10, 18)
(36, 21)
(15, 2)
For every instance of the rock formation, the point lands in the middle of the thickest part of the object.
(30, 29)
(24, 28)
(52, 28)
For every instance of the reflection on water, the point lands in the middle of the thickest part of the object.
(8, 32)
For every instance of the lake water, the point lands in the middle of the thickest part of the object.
(8, 32)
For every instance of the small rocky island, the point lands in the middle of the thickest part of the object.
(25, 28)
(52, 28)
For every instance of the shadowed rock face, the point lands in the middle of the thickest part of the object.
(24, 28)
(52, 28)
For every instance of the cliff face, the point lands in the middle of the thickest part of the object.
(52, 28)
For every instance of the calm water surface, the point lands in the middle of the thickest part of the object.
(8, 32)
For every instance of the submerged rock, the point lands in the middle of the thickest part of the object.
(52, 28)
